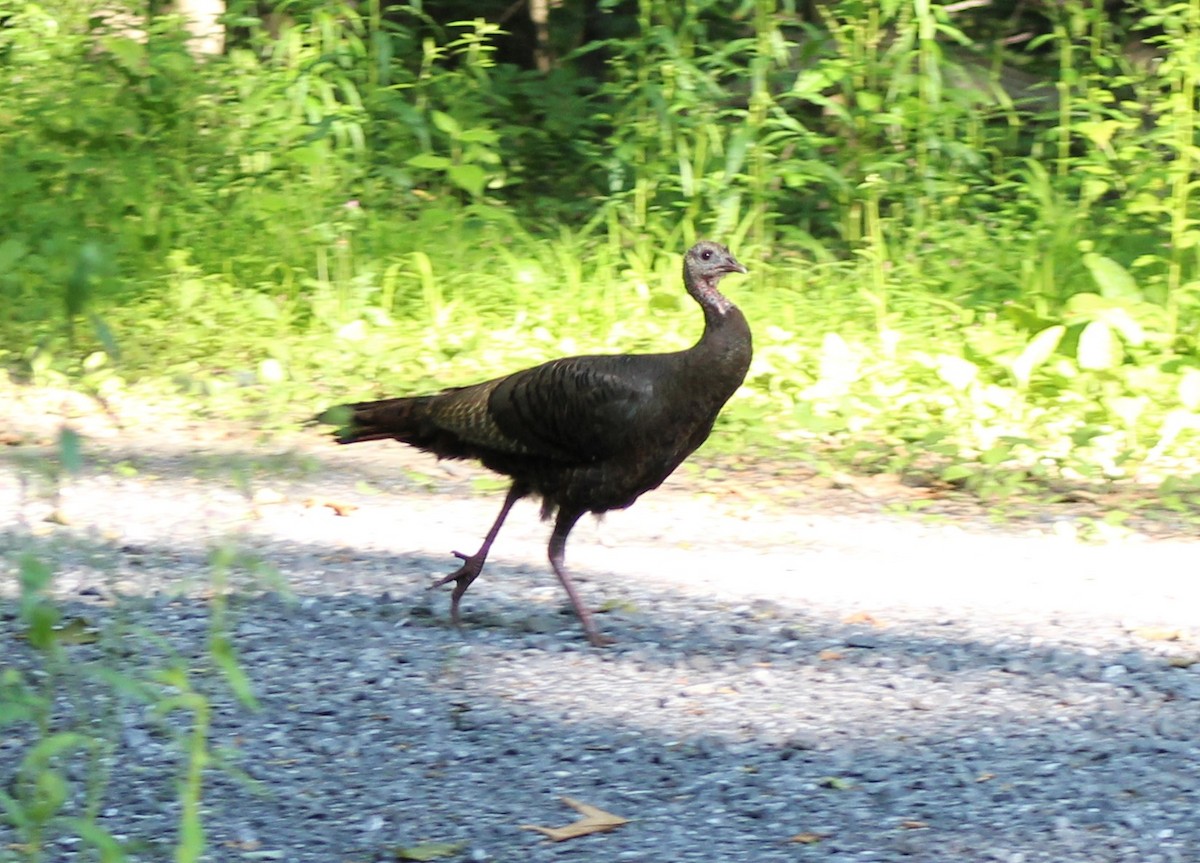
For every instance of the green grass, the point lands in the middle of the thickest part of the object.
(942, 284)
(941, 386)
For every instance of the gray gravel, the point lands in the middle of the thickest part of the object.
(886, 689)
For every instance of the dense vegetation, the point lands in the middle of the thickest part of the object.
(974, 256)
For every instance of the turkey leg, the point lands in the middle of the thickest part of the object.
(473, 564)
(557, 551)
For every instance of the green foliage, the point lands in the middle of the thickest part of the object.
(41, 800)
(949, 236)
(59, 785)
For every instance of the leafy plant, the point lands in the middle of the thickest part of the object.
(58, 785)
(363, 197)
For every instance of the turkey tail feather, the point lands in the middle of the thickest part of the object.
(379, 420)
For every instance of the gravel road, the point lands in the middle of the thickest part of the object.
(788, 683)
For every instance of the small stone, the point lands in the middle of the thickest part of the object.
(802, 740)
(762, 677)
(862, 640)
(701, 662)
(1016, 666)
(373, 824)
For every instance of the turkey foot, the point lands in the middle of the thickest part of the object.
(597, 639)
(473, 564)
(463, 576)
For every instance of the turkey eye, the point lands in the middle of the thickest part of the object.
(706, 255)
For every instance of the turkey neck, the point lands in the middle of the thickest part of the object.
(722, 355)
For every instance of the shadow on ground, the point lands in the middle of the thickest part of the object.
(724, 731)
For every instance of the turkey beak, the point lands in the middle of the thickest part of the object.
(732, 266)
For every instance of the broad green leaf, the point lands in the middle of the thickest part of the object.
(996, 454)
(41, 620)
(1130, 317)
(810, 83)
(446, 123)
(129, 54)
(1040, 348)
(479, 135)
(1188, 239)
(1084, 435)
(1094, 188)
(1098, 347)
(469, 178)
(1086, 306)
(956, 371)
(77, 630)
(1100, 132)
(957, 471)
(431, 161)
(1121, 321)
(1114, 281)
(868, 101)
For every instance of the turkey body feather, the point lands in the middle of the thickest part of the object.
(586, 433)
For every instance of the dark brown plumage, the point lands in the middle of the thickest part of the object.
(585, 434)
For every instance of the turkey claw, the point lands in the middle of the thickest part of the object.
(462, 578)
(598, 640)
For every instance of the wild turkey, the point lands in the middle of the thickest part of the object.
(585, 434)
